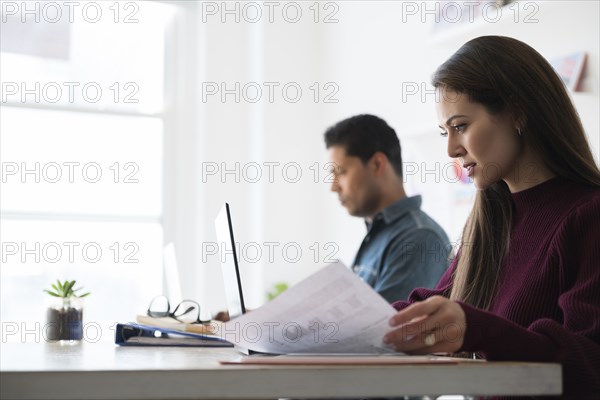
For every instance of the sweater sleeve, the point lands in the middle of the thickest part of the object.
(575, 341)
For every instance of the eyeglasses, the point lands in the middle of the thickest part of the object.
(188, 311)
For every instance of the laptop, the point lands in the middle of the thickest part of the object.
(235, 297)
(229, 265)
(231, 271)
(171, 274)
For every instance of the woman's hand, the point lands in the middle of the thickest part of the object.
(436, 325)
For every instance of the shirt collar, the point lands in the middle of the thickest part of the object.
(397, 209)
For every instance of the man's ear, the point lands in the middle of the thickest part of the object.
(379, 162)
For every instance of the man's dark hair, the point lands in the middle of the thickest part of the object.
(363, 135)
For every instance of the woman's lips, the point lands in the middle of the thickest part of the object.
(470, 168)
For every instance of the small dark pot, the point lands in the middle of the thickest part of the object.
(64, 324)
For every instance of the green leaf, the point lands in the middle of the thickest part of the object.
(278, 289)
(69, 288)
(65, 289)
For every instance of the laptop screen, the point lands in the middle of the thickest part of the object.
(229, 263)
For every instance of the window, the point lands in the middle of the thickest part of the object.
(81, 145)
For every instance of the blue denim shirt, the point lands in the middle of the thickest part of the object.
(403, 249)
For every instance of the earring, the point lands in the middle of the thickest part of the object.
(519, 132)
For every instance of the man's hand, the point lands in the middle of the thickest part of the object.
(436, 325)
(222, 316)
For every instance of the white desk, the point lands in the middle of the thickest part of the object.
(105, 371)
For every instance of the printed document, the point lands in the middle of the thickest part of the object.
(332, 311)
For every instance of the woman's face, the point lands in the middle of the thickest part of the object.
(488, 146)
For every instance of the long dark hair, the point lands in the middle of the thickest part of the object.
(506, 75)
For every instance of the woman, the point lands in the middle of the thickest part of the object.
(525, 285)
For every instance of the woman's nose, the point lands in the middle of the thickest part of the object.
(455, 147)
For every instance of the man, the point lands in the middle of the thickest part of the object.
(403, 248)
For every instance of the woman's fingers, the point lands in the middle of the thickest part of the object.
(417, 311)
(437, 325)
(444, 337)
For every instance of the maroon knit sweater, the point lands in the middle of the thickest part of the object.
(547, 306)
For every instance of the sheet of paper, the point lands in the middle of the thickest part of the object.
(332, 311)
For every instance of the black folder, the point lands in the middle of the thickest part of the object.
(144, 335)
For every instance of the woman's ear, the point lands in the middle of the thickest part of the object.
(520, 120)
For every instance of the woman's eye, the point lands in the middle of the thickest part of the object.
(459, 128)
(456, 128)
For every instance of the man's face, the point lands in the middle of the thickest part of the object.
(354, 182)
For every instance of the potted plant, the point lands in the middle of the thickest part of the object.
(65, 315)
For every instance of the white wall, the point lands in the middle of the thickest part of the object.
(371, 54)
